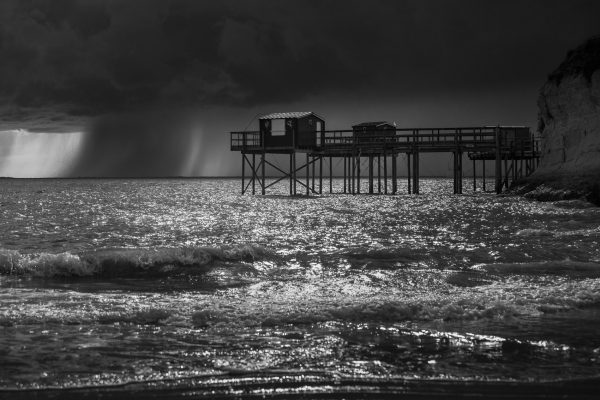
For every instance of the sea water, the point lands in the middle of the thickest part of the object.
(184, 284)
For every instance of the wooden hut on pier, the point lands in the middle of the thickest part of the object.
(371, 132)
(291, 130)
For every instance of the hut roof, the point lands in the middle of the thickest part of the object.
(372, 124)
(293, 114)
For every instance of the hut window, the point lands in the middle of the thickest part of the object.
(278, 127)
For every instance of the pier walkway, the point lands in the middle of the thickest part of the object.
(513, 149)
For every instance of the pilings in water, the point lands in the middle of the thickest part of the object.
(380, 171)
(498, 165)
(458, 172)
(381, 168)
(415, 172)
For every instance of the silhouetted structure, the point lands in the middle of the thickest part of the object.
(366, 132)
(291, 130)
(380, 142)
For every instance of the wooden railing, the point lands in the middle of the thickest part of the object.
(246, 140)
(471, 139)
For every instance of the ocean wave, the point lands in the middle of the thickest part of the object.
(123, 262)
(469, 278)
(390, 312)
(563, 267)
(388, 257)
(530, 232)
(381, 312)
(272, 304)
(399, 311)
(574, 203)
(535, 232)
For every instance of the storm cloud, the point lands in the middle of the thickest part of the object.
(100, 65)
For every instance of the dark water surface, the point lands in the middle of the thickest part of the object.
(184, 286)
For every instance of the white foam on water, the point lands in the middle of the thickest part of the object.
(535, 232)
(44, 265)
(563, 267)
(124, 262)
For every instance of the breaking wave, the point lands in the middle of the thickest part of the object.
(125, 262)
(530, 232)
(535, 232)
(564, 267)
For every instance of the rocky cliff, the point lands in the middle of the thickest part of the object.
(569, 125)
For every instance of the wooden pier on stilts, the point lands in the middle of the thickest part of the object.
(302, 137)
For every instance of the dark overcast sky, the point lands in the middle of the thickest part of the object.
(147, 80)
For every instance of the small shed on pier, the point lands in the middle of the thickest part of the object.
(516, 138)
(292, 130)
(374, 131)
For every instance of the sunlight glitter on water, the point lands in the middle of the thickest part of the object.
(112, 281)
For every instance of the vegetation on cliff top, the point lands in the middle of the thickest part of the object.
(583, 60)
